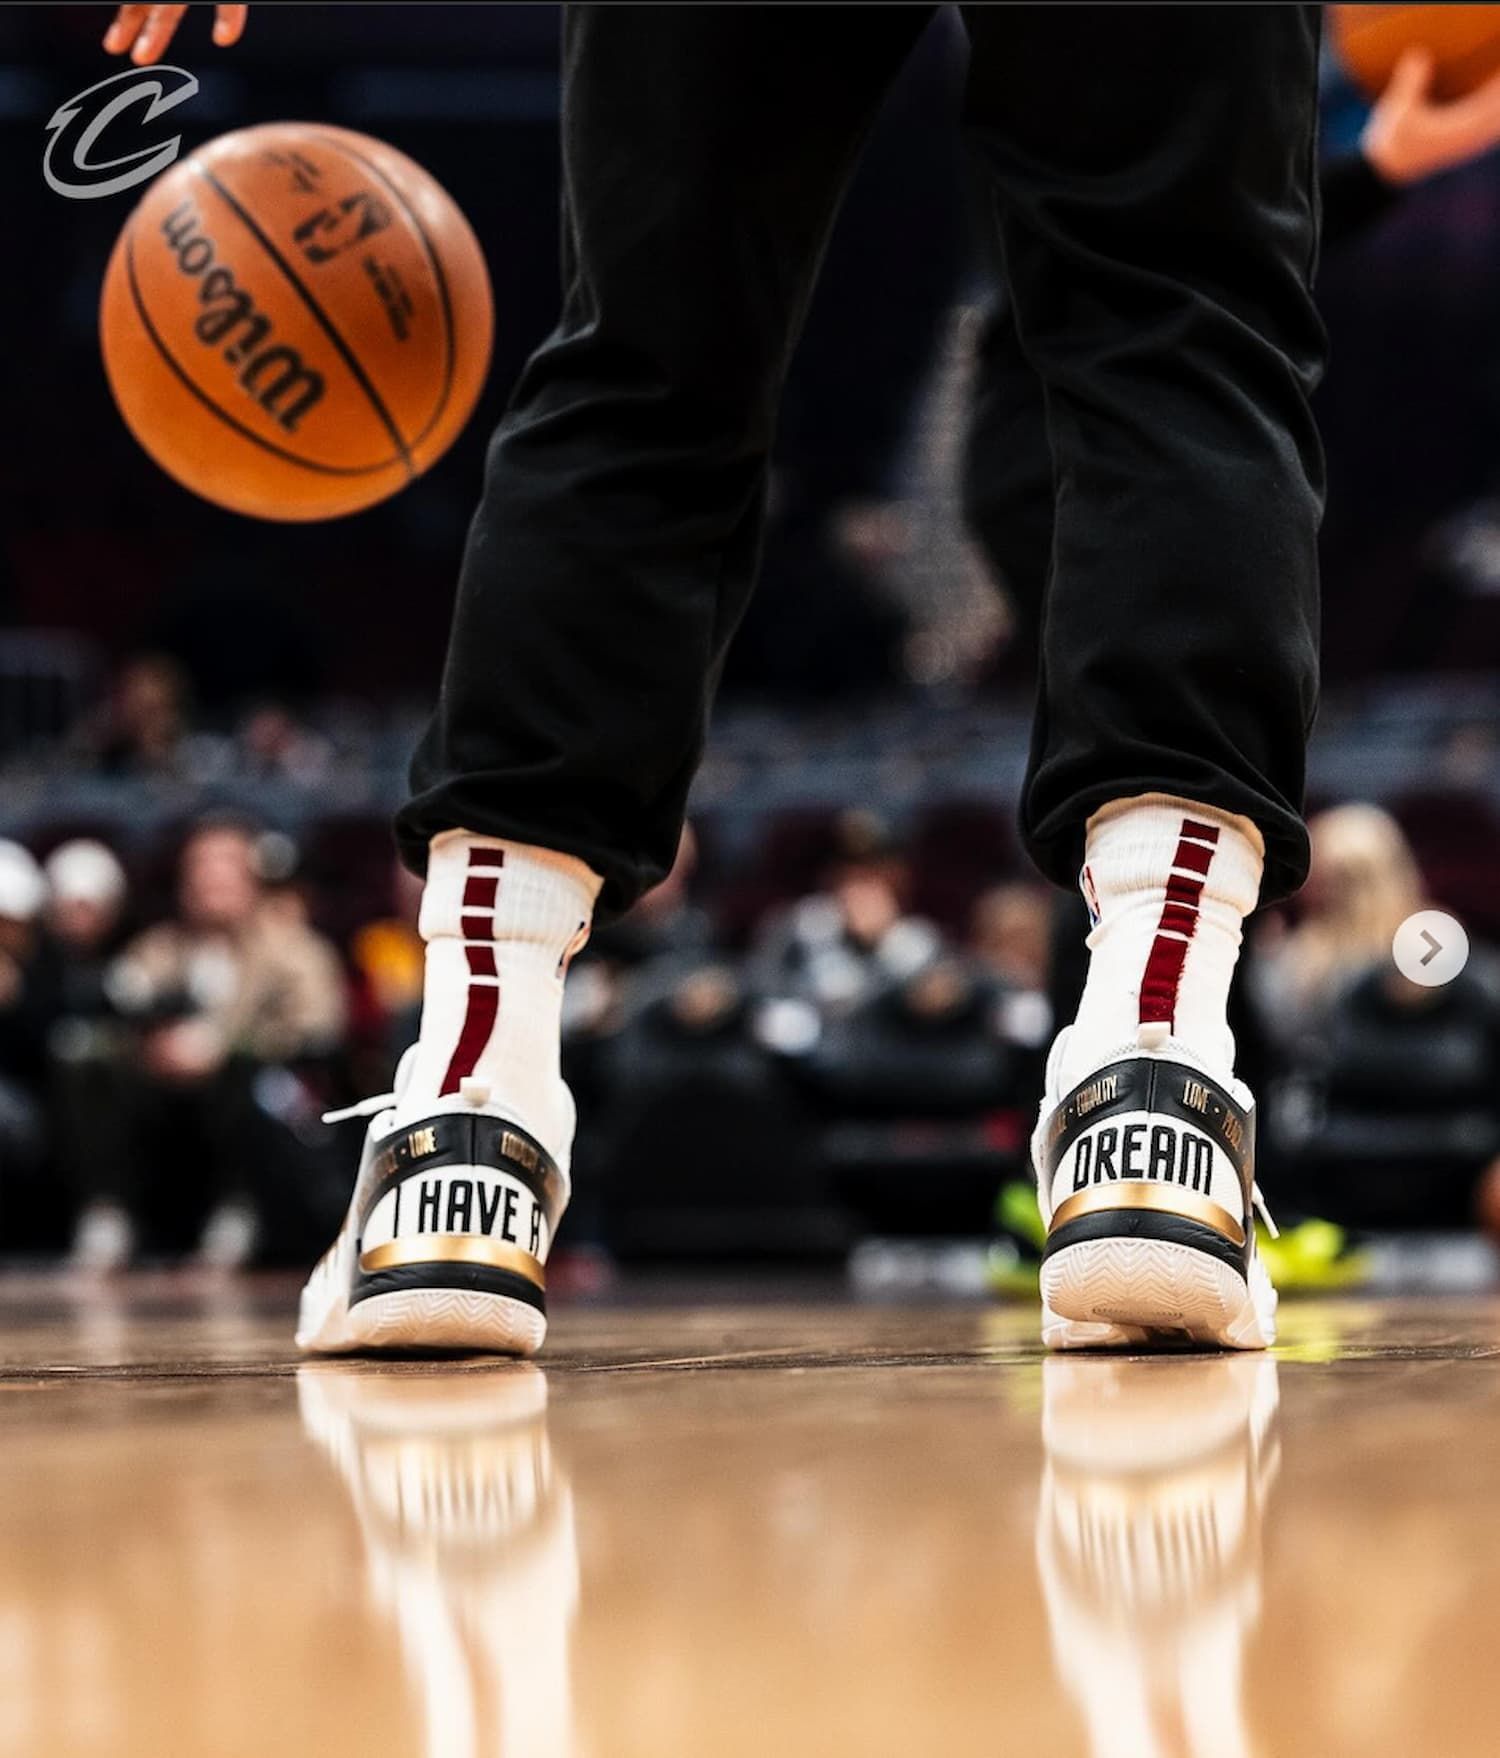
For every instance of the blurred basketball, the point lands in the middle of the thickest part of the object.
(1464, 42)
(296, 321)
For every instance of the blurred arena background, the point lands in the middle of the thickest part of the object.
(204, 724)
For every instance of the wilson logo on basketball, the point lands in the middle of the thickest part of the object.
(275, 375)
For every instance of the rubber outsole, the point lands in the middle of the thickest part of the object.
(1125, 1292)
(446, 1319)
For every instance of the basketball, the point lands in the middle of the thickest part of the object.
(1464, 42)
(296, 321)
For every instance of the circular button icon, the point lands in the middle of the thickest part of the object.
(1430, 948)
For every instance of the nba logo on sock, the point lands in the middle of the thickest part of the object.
(1090, 896)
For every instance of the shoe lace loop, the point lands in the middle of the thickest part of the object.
(1258, 1203)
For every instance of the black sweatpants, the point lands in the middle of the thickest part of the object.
(1150, 173)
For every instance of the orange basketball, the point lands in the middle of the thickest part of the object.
(296, 321)
(1464, 41)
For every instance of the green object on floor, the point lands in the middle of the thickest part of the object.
(1013, 1268)
(1312, 1258)
(1020, 1214)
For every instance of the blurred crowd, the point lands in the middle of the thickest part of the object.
(831, 1030)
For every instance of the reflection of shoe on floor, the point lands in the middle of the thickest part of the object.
(468, 1527)
(104, 1240)
(1149, 1544)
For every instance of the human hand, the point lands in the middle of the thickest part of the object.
(145, 31)
(1409, 136)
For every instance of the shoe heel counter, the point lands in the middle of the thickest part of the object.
(461, 1201)
(1152, 1136)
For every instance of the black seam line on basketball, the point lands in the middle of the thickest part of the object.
(1147, 1224)
(214, 408)
(469, 1278)
(449, 343)
(346, 354)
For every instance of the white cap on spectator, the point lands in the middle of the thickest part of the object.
(85, 872)
(23, 890)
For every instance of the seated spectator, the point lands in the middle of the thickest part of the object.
(25, 1011)
(1009, 932)
(220, 994)
(1401, 1126)
(687, 1068)
(87, 896)
(932, 1046)
(24, 1003)
(272, 744)
(1010, 935)
(849, 941)
(1362, 885)
(144, 722)
(926, 1102)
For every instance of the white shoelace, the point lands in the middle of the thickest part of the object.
(361, 1108)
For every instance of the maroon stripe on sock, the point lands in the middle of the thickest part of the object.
(479, 891)
(1178, 918)
(1178, 924)
(481, 961)
(482, 1008)
(1193, 856)
(480, 1014)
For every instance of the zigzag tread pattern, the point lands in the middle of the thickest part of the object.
(1137, 1287)
(448, 1318)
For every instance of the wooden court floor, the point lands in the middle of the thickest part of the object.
(744, 1527)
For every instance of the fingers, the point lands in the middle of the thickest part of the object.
(158, 30)
(145, 31)
(1410, 80)
(229, 24)
(123, 32)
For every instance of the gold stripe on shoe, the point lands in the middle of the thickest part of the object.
(454, 1248)
(1168, 1199)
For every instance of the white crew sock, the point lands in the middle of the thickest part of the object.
(501, 919)
(1169, 884)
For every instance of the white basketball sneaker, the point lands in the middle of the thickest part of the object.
(446, 1239)
(1146, 1179)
